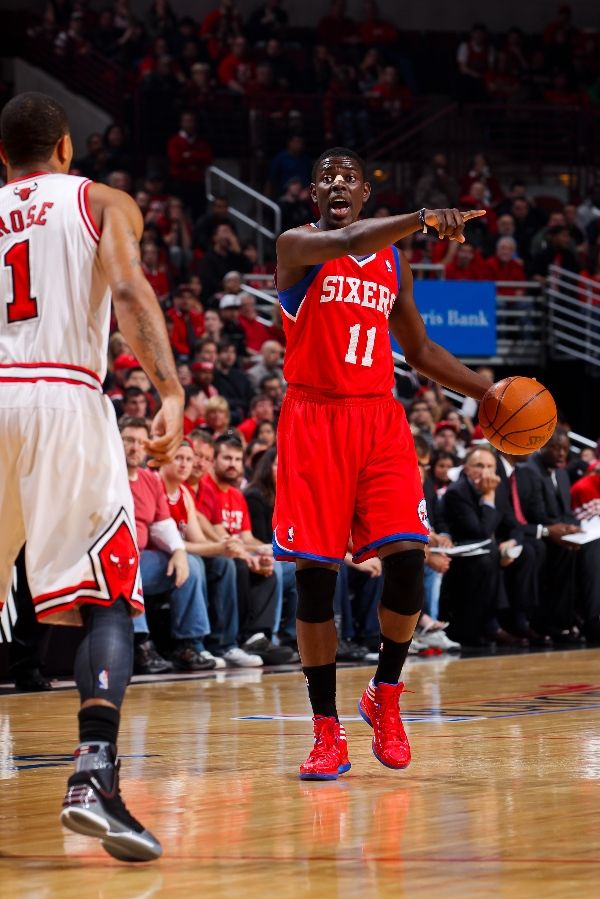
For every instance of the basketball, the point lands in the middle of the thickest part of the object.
(517, 415)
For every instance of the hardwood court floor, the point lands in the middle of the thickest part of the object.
(501, 799)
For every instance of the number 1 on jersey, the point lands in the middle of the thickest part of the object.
(22, 306)
(367, 359)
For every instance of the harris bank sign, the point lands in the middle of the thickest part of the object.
(460, 315)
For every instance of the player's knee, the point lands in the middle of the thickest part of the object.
(316, 589)
(403, 586)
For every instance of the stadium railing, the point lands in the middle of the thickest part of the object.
(256, 204)
(573, 316)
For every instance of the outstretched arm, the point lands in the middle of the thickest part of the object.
(139, 315)
(424, 354)
(309, 246)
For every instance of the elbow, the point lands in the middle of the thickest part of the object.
(124, 292)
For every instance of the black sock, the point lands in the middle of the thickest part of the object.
(320, 680)
(392, 657)
(99, 722)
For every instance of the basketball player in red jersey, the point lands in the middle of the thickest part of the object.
(347, 464)
(66, 246)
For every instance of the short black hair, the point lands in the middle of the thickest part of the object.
(337, 152)
(30, 126)
(191, 390)
(131, 392)
(131, 421)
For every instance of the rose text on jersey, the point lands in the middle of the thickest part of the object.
(20, 221)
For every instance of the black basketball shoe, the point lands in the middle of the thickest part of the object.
(93, 806)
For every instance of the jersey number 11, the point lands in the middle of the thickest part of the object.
(367, 359)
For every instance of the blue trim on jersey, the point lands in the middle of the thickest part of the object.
(292, 297)
(421, 538)
(398, 268)
(290, 554)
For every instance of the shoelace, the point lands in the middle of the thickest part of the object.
(390, 716)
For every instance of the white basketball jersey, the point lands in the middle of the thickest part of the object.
(54, 298)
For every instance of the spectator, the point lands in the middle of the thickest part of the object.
(250, 251)
(161, 19)
(73, 41)
(164, 564)
(421, 420)
(540, 240)
(231, 382)
(289, 163)
(503, 266)
(218, 416)
(202, 376)
(187, 317)
(589, 210)
(474, 58)
(230, 306)
(154, 271)
(260, 497)
(117, 153)
(228, 69)
(268, 22)
(557, 252)
(389, 96)
(445, 439)
(470, 406)
(527, 222)
(213, 326)
(206, 351)
(195, 407)
(585, 493)
(436, 188)
(337, 28)
(256, 578)
(160, 93)
(479, 170)
(441, 464)
(271, 386)
(93, 164)
(255, 332)
(579, 466)
(294, 205)
(199, 89)
(285, 74)
(189, 156)
(578, 236)
(178, 238)
(206, 226)
(473, 593)
(261, 409)
(134, 403)
(545, 499)
(216, 552)
(184, 373)
(120, 180)
(465, 264)
(220, 26)
(225, 254)
(375, 31)
(270, 364)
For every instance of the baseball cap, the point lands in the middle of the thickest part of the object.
(203, 366)
(445, 424)
(230, 301)
(125, 360)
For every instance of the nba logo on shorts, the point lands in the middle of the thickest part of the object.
(290, 535)
(422, 513)
(103, 679)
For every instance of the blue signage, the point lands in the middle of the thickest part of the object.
(460, 315)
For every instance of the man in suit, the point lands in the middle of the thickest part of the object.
(572, 571)
(473, 591)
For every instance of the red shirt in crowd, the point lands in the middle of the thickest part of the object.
(180, 333)
(149, 503)
(248, 428)
(159, 281)
(474, 271)
(513, 270)
(177, 508)
(256, 333)
(585, 496)
(189, 425)
(206, 500)
(188, 157)
(235, 516)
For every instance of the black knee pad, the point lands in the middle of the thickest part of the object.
(403, 584)
(316, 588)
(104, 660)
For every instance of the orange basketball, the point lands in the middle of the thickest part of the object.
(517, 415)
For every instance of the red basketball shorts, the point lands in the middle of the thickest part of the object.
(346, 469)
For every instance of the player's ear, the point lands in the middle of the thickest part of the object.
(366, 191)
(64, 150)
(313, 192)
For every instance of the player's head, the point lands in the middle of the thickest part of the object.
(339, 186)
(35, 131)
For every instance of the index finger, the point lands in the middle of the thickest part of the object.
(162, 449)
(473, 214)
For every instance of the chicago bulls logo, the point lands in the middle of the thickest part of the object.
(23, 193)
(115, 559)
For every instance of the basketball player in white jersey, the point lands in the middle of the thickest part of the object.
(66, 244)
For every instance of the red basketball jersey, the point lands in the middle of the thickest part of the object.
(336, 325)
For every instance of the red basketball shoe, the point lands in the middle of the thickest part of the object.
(329, 756)
(380, 707)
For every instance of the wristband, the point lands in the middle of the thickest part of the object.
(422, 220)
